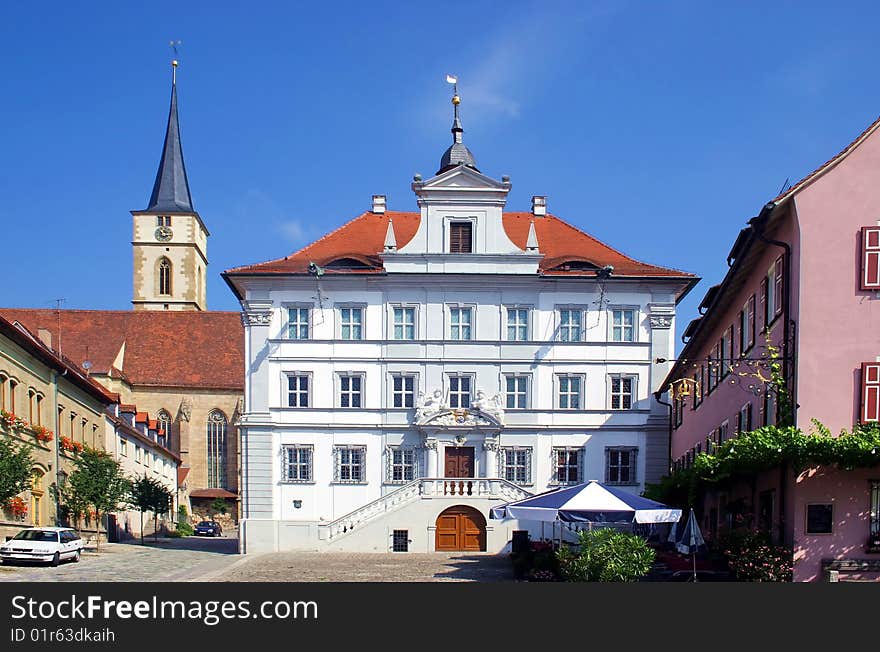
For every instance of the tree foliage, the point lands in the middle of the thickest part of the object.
(15, 469)
(767, 448)
(606, 555)
(99, 482)
(148, 494)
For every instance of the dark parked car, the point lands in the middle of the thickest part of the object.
(209, 529)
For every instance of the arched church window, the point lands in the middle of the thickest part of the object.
(217, 426)
(163, 419)
(164, 276)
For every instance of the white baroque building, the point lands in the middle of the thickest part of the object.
(408, 371)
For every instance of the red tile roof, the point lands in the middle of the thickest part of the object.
(362, 240)
(169, 349)
(141, 417)
(182, 472)
(211, 493)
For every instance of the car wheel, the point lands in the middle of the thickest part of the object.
(56, 559)
(76, 556)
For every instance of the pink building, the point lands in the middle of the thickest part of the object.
(807, 271)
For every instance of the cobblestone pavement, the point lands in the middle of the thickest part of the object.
(370, 567)
(167, 560)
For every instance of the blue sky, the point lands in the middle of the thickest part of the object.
(659, 128)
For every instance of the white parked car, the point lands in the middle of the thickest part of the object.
(51, 544)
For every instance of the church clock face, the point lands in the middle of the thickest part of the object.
(164, 233)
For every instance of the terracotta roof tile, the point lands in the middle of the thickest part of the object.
(171, 349)
(362, 240)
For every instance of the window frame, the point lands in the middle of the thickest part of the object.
(581, 378)
(338, 464)
(578, 466)
(581, 311)
(632, 466)
(515, 308)
(391, 465)
(392, 376)
(286, 464)
(361, 394)
(634, 311)
(462, 308)
(288, 307)
(633, 393)
(392, 323)
(471, 378)
(527, 466)
(341, 324)
(526, 393)
(453, 222)
(286, 391)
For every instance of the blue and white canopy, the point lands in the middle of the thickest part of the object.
(591, 502)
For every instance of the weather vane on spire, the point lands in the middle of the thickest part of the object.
(452, 79)
(174, 62)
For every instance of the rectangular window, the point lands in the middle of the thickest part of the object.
(460, 237)
(870, 409)
(123, 447)
(820, 518)
(570, 324)
(349, 464)
(137, 454)
(298, 323)
(517, 324)
(39, 410)
(459, 391)
(401, 464)
(404, 323)
(403, 387)
(744, 421)
(750, 319)
(460, 323)
(516, 392)
(569, 393)
(620, 465)
(622, 391)
(351, 323)
(769, 409)
(516, 464)
(726, 352)
(623, 325)
(350, 390)
(723, 432)
(298, 390)
(870, 276)
(711, 368)
(778, 283)
(567, 465)
(698, 387)
(400, 541)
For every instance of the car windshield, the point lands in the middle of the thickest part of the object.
(206, 524)
(37, 535)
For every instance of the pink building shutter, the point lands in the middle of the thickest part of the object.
(764, 316)
(751, 333)
(870, 258)
(778, 285)
(870, 391)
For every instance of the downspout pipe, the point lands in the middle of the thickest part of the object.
(55, 376)
(657, 398)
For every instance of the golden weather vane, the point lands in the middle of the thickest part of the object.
(175, 61)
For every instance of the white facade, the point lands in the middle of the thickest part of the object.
(582, 389)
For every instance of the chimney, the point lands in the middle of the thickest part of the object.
(379, 204)
(45, 336)
(539, 205)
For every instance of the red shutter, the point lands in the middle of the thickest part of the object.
(778, 285)
(870, 392)
(751, 333)
(870, 258)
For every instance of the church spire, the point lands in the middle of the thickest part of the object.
(457, 154)
(171, 189)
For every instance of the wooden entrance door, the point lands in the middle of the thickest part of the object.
(459, 462)
(460, 528)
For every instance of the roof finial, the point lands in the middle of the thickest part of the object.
(456, 100)
(174, 61)
(457, 154)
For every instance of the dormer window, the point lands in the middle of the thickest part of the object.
(460, 238)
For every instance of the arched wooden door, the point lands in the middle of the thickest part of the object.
(460, 528)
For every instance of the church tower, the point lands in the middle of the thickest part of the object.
(170, 240)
